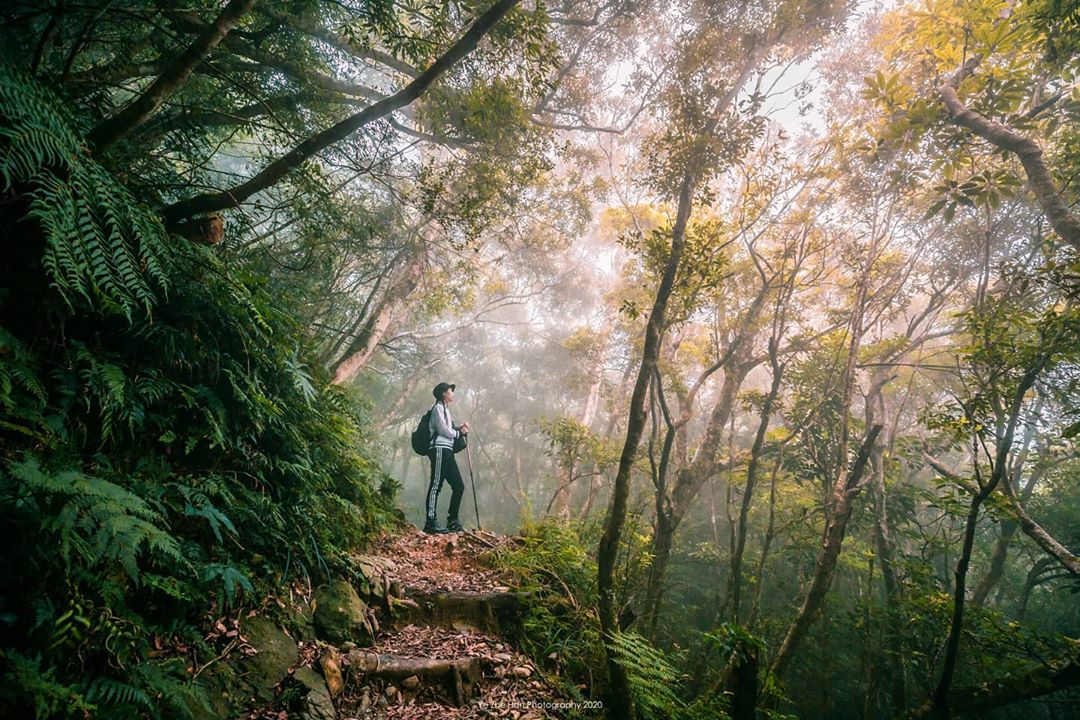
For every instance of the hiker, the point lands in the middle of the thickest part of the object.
(443, 465)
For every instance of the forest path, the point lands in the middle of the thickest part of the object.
(444, 647)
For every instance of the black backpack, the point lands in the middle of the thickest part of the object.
(421, 436)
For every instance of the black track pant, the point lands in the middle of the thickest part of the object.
(444, 467)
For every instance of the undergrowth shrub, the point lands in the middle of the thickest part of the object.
(167, 446)
(555, 563)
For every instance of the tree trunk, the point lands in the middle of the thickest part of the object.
(735, 582)
(561, 499)
(998, 472)
(883, 546)
(406, 463)
(663, 536)
(619, 703)
(1028, 151)
(1009, 526)
(740, 680)
(379, 319)
(978, 700)
(688, 483)
(592, 402)
(766, 542)
(847, 489)
(1043, 539)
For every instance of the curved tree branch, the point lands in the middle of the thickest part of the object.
(1028, 151)
(275, 171)
(1043, 539)
(977, 700)
(340, 42)
(176, 74)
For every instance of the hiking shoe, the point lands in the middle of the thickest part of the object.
(454, 526)
(432, 529)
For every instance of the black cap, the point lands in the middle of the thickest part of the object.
(441, 388)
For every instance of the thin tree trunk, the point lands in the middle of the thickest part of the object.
(825, 567)
(334, 350)
(735, 581)
(619, 703)
(46, 36)
(688, 482)
(766, 542)
(519, 474)
(1008, 526)
(561, 499)
(565, 475)
(663, 536)
(278, 169)
(741, 680)
(1030, 583)
(999, 472)
(952, 643)
(592, 402)
(838, 507)
(169, 81)
(1051, 677)
(883, 546)
(379, 320)
(662, 532)
(1043, 539)
(406, 463)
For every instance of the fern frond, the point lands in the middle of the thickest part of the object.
(231, 579)
(98, 521)
(652, 677)
(109, 692)
(101, 244)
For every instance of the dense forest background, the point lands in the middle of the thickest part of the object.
(764, 315)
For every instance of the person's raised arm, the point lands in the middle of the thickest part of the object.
(442, 427)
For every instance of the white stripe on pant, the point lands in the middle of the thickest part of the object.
(435, 485)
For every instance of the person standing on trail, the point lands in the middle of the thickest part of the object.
(443, 465)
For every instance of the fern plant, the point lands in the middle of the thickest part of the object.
(95, 519)
(22, 392)
(167, 445)
(653, 679)
(100, 243)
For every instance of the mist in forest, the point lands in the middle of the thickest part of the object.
(763, 317)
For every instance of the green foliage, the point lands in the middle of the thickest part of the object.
(578, 451)
(555, 566)
(704, 271)
(729, 639)
(45, 696)
(817, 387)
(654, 681)
(92, 520)
(101, 245)
(152, 466)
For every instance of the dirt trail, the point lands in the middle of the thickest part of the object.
(445, 649)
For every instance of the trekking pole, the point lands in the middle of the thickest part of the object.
(472, 479)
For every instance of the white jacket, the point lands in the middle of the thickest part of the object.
(442, 428)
